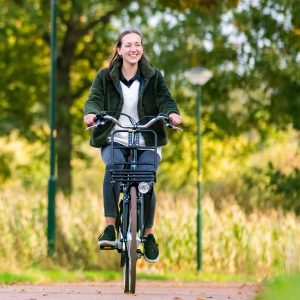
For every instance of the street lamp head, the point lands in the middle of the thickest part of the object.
(198, 75)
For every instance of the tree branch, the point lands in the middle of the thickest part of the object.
(86, 84)
(46, 37)
(103, 19)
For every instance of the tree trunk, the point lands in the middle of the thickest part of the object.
(64, 105)
(64, 129)
(74, 32)
(64, 150)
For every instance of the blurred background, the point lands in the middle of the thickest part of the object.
(250, 132)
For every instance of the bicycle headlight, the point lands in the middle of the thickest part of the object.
(144, 187)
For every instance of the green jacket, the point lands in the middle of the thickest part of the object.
(106, 95)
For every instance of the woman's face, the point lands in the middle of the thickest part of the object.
(131, 49)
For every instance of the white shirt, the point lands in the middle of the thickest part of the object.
(130, 96)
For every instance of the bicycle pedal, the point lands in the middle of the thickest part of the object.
(107, 247)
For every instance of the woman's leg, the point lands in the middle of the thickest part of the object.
(111, 192)
(150, 205)
(147, 159)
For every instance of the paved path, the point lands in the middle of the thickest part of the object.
(145, 290)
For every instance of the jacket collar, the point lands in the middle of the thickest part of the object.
(146, 68)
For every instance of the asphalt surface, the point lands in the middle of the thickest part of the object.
(144, 290)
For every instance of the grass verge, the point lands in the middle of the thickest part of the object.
(52, 275)
(282, 287)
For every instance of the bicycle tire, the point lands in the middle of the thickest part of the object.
(124, 253)
(130, 264)
(124, 257)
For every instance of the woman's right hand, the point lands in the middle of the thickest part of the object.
(89, 119)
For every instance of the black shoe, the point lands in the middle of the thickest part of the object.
(107, 240)
(151, 252)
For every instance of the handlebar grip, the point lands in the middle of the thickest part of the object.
(163, 115)
(100, 116)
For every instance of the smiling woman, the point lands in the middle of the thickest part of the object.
(132, 87)
(131, 51)
(127, 38)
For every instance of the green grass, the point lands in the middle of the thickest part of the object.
(190, 276)
(51, 275)
(56, 275)
(282, 288)
(9, 278)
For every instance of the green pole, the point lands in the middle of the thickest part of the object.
(199, 214)
(52, 177)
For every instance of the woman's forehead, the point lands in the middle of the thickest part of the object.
(131, 38)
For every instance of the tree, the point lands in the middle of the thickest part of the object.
(85, 33)
(249, 47)
(270, 48)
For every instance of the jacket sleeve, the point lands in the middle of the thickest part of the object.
(94, 103)
(164, 101)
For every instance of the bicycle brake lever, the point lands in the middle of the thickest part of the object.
(98, 123)
(174, 127)
(177, 128)
(91, 127)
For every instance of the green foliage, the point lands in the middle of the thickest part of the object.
(237, 239)
(25, 63)
(5, 168)
(255, 173)
(10, 278)
(281, 287)
(270, 48)
(276, 189)
(49, 272)
(23, 163)
(251, 51)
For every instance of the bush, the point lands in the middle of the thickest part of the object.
(267, 187)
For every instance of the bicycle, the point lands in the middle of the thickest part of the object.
(135, 184)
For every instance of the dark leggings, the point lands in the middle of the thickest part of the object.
(111, 192)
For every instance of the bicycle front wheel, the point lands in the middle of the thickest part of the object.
(131, 246)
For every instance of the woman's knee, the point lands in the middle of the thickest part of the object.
(149, 161)
(116, 161)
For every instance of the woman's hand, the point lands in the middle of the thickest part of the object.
(175, 119)
(89, 119)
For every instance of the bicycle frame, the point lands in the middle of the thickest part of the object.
(130, 211)
(130, 218)
(130, 175)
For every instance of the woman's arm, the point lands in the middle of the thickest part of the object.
(166, 104)
(94, 103)
(164, 101)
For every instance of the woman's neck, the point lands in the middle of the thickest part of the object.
(129, 70)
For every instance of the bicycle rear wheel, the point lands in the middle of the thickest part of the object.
(129, 269)
(125, 265)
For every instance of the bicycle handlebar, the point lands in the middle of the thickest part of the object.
(103, 117)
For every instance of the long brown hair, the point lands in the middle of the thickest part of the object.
(116, 57)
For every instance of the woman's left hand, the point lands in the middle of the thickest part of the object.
(175, 119)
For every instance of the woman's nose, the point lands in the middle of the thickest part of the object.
(133, 48)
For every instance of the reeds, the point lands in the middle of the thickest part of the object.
(260, 244)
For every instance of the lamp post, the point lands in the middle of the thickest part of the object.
(52, 177)
(198, 76)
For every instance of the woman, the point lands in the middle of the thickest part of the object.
(133, 86)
